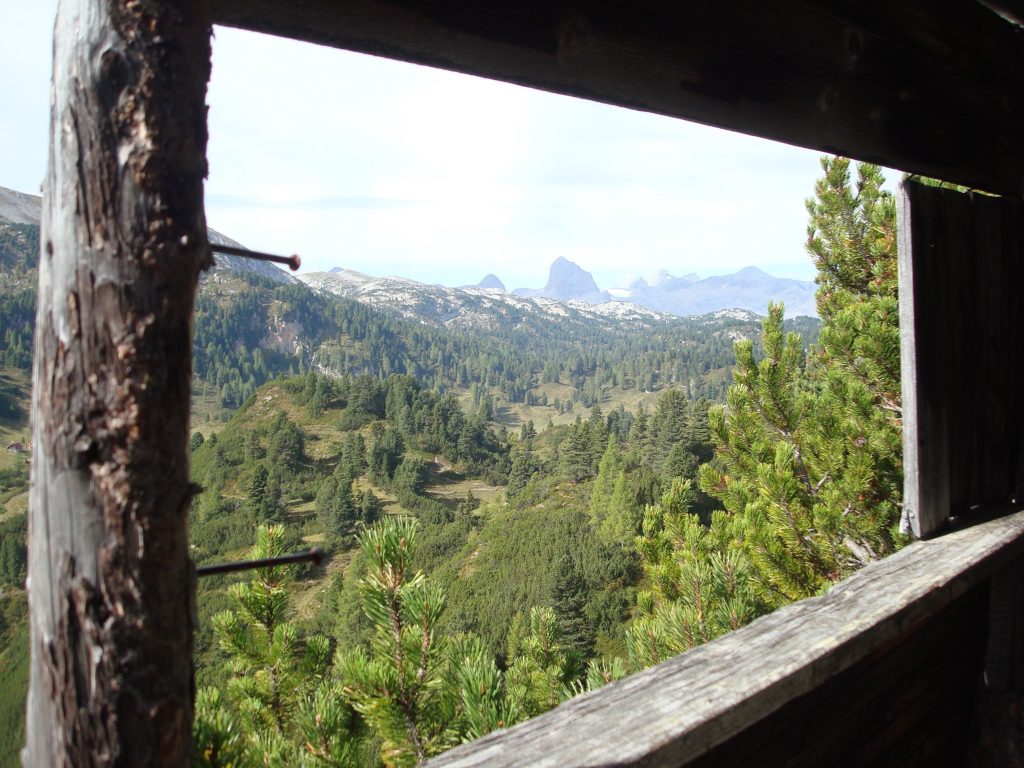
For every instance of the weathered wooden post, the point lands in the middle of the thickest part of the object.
(122, 243)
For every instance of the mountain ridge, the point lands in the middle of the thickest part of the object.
(749, 288)
(23, 208)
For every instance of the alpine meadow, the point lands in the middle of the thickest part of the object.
(520, 498)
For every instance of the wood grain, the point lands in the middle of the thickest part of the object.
(123, 237)
(961, 267)
(682, 709)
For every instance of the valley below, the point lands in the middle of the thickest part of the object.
(561, 485)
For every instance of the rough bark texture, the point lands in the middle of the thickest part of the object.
(123, 240)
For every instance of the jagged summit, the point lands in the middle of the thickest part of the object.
(567, 281)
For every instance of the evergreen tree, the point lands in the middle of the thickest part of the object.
(420, 691)
(335, 505)
(524, 467)
(370, 508)
(604, 484)
(700, 581)
(810, 449)
(542, 675)
(568, 598)
(258, 491)
(807, 452)
(622, 522)
(272, 668)
(575, 453)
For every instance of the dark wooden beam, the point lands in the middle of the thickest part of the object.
(961, 267)
(931, 88)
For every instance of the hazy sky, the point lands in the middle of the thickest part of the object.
(389, 168)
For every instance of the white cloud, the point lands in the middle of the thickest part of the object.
(387, 167)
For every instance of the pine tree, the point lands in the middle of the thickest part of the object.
(420, 691)
(541, 677)
(809, 449)
(272, 668)
(700, 581)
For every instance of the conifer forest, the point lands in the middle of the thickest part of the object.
(510, 517)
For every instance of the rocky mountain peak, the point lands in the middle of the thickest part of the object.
(491, 281)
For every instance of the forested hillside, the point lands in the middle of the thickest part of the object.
(511, 515)
(252, 325)
(528, 537)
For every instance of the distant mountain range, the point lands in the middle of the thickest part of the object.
(568, 342)
(570, 289)
(482, 306)
(750, 288)
(21, 208)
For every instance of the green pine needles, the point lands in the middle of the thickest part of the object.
(412, 692)
(808, 460)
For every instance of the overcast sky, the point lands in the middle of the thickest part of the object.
(389, 168)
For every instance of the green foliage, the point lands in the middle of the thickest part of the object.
(218, 737)
(700, 582)
(808, 453)
(14, 673)
(272, 669)
(569, 599)
(420, 691)
(13, 551)
(336, 506)
(810, 448)
(542, 675)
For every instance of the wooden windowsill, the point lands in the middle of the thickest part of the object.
(679, 710)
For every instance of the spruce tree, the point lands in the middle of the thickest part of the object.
(568, 598)
(622, 522)
(604, 484)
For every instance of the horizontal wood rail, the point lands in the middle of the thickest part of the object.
(677, 712)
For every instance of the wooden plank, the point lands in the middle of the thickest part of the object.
(873, 713)
(925, 437)
(676, 712)
(961, 262)
(110, 582)
(903, 84)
